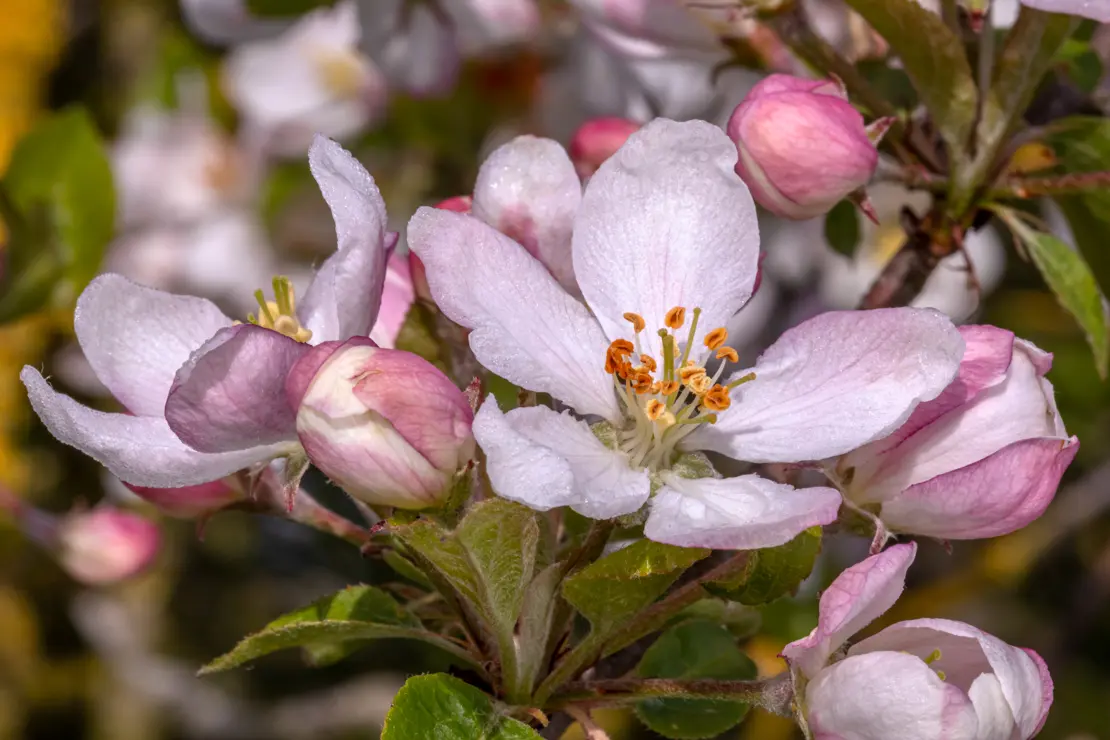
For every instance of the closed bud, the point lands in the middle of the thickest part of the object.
(801, 146)
(106, 545)
(598, 139)
(385, 425)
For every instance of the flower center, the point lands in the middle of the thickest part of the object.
(667, 398)
(280, 314)
(341, 71)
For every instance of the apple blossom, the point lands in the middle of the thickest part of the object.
(665, 251)
(1097, 10)
(385, 425)
(206, 394)
(190, 502)
(106, 545)
(227, 21)
(596, 140)
(926, 679)
(310, 79)
(802, 146)
(982, 459)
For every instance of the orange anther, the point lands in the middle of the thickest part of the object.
(667, 387)
(728, 353)
(717, 399)
(676, 317)
(655, 409)
(636, 320)
(641, 382)
(649, 363)
(716, 338)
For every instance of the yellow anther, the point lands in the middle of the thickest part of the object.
(932, 657)
(717, 399)
(688, 373)
(636, 320)
(280, 314)
(942, 675)
(676, 317)
(716, 338)
(700, 384)
(667, 387)
(728, 353)
(655, 408)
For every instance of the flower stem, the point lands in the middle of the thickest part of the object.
(772, 693)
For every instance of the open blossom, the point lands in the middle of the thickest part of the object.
(1098, 10)
(665, 251)
(106, 545)
(802, 146)
(385, 425)
(982, 459)
(926, 679)
(206, 394)
(310, 79)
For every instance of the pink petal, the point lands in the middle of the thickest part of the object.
(188, 502)
(744, 513)
(230, 395)
(529, 191)
(525, 327)
(135, 338)
(856, 598)
(598, 139)
(344, 297)
(781, 83)
(1047, 687)
(835, 383)
(398, 296)
(997, 495)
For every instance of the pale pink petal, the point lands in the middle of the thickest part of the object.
(996, 721)
(598, 139)
(188, 502)
(1047, 688)
(780, 83)
(967, 652)
(1098, 10)
(886, 695)
(528, 190)
(856, 598)
(545, 459)
(835, 383)
(744, 513)
(135, 338)
(666, 222)
(526, 328)
(415, 47)
(343, 299)
(397, 298)
(230, 395)
(997, 495)
(138, 449)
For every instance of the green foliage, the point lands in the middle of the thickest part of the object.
(611, 589)
(403, 567)
(933, 57)
(284, 8)
(440, 554)
(58, 203)
(696, 649)
(418, 335)
(444, 708)
(842, 230)
(774, 571)
(356, 613)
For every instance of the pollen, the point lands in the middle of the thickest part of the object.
(636, 320)
(642, 382)
(728, 353)
(716, 338)
(676, 317)
(691, 371)
(667, 387)
(655, 409)
(280, 314)
(649, 363)
(717, 399)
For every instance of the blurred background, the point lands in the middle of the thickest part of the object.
(203, 114)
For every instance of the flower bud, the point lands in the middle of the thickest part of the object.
(598, 139)
(189, 502)
(106, 545)
(385, 425)
(802, 147)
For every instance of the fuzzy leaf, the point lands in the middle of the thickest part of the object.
(445, 708)
(842, 230)
(773, 572)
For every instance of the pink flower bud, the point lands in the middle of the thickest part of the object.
(106, 545)
(189, 502)
(385, 425)
(598, 139)
(802, 147)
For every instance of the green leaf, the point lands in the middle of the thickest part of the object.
(59, 185)
(356, 613)
(445, 708)
(611, 589)
(933, 57)
(842, 230)
(697, 649)
(1070, 279)
(438, 551)
(418, 335)
(282, 8)
(402, 566)
(773, 572)
(537, 616)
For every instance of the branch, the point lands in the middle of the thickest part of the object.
(773, 694)
(1032, 187)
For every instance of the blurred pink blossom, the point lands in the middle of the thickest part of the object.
(106, 545)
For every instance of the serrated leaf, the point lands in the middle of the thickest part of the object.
(842, 230)
(933, 57)
(696, 649)
(622, 583)
(773, 572)
(356, 613)
(536, 619)
(442, 551)
(445, 708)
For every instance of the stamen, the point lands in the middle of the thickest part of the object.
(636, 320)
(623, 346)
(690, 371)
(265, 306)
(711, 418)
(701, 384)
(280, 314)
(728, 353)
(740, 381)
(655, 409)
(932, 657)
(649, 363)
(675, 318)
(717, 399)
(942, 675)
(690, 337)
(641, 382)
(716, 338)
(667, 387)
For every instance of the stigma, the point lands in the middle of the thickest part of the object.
(280, 314)
(665, 398)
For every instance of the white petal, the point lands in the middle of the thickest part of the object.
(138, 449)
(996, 721)
(525, 327)
(835, 383)
(344, 297)
(135, 338)
(880, 696)
(1098, 10)
(528, 190)
(744, 513)
(412, 44)
(666, 222)
(545, 459)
